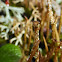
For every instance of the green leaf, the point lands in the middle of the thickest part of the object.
(10, 53)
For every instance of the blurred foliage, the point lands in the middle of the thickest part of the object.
(2, 40)
(61, 36)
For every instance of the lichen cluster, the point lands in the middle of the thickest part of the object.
(35, 26)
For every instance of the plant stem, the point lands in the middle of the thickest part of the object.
(54, 29)
(36, 39)
(30, 35)
(56, 57)
(45, 44)
(26, 3)
(61, 57)
(60, 24)
(48, 24)
(42, 17)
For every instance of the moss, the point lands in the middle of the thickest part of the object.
(10, 53)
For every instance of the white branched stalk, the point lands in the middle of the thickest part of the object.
(7, 20)
(16, 12)
(19, 34)
(18, 39)
(4, 32)
(35, 14)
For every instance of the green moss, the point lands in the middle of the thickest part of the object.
(10, 53)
